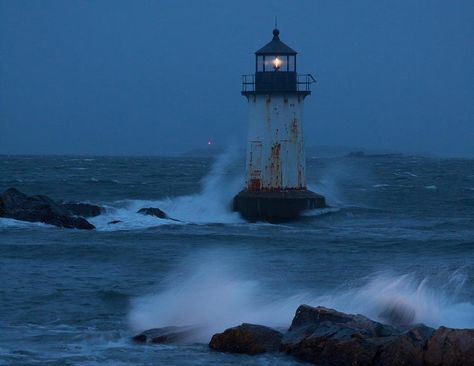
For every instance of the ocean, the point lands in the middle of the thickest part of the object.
(399, 228)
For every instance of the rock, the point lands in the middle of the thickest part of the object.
(78, 223)
(166, 335)
(450, 347)
(83, 209)
(327, 337)
(307, 319)
(10, 199)
(17, 205)
(405, 350)
(153, 211)
(113, 222)
(250, 339)
(397, 312)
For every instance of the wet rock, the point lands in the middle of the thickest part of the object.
(153, 211)
(113, 222)
(405, 350)
(19, 206)
(450, 347)
(328, 337)
(307, 319)
(397, 312)
(83, 209)
(76, 223)
(249, 339)
(166, 335)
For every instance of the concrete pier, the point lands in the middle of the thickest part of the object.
(276, 206)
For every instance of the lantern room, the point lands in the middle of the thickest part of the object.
(275, 56)
(275, 71)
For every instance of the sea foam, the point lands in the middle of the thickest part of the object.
(211, 292)
(212, 205)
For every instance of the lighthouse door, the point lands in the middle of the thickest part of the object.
(255, 166)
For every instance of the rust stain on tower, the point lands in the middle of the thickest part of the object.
(294, 129)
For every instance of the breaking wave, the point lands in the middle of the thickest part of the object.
(434, 302)
(207, 292)
(211, 206)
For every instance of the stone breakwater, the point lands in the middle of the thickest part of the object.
(327, 337)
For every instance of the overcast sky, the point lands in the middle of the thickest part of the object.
(161, 77)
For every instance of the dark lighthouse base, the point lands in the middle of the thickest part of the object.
(276, 206)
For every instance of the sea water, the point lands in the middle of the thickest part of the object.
(398, 229)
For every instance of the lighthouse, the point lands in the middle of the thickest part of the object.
(275, 188)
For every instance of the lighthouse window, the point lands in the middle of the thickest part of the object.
(260, 63)
(272, 63)
(291, 63)
(275, 63)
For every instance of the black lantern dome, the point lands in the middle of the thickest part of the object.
(276, 46)
(275, 70)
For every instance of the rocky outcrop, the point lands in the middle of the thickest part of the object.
(327, 337)
(19, 206)
(153, 211)
(83, 209)
(249, 339)
(166, 335)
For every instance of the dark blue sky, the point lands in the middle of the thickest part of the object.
(161, 77)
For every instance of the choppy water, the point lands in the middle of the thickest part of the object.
(401, 228)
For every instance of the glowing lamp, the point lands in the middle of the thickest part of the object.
(276, 63)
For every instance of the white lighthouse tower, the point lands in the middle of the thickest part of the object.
(275, 188)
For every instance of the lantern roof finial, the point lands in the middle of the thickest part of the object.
(275, 46)
(276, 34)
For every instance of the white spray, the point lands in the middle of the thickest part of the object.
(211, 291)
(212, 205)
